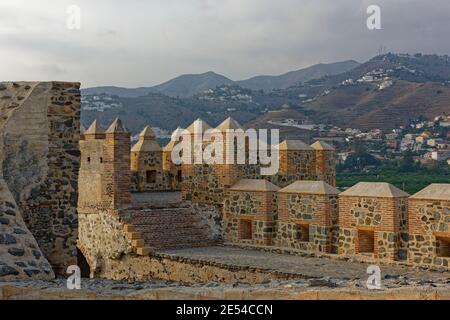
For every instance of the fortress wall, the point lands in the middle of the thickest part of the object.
(39, 126)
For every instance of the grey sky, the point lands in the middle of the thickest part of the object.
(145, 42)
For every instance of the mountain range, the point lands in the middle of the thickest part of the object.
(384, 92)
(191, 84)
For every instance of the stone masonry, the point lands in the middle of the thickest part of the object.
(116, 226)
(121, 231)
(147, 164)
(204, 183)
(429, 226)
(308, 217)
(250, 212)
(373, 221)
(39, 161)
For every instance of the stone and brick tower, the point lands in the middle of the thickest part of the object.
(325, 162)
(429, 226)
(91, 166)
(146, 163)
(117, 180)
(197, 177)
(297, 162)
(105, 168)
(172, 171)
(228, 173)
(373, 221)
(308, 215)
(250, 210)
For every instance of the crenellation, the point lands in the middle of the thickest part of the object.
(296, 209)
(370, 216)
(429, 226)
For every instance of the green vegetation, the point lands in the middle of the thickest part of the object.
(410, 182)
(403, 172)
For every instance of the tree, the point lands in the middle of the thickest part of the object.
(407, 163)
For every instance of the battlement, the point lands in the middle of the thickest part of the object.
(105, 167)
(370, 221)
(297, 209)
(297, 161)
(148, 167)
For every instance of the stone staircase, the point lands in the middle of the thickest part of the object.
(152, 229)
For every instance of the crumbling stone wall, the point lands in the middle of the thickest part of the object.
(20, 256)
(101, 237)
(40, 132)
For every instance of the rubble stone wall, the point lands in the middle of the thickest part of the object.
(377, 219)
(253, 210)
(40, 161)
(307, 222)
(429, 224)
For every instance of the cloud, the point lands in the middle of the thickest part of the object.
(136, 43)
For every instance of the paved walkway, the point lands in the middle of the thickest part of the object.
(308, 267)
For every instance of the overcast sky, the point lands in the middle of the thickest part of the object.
(144, 42)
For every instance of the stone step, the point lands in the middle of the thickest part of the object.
(138, 243)
(144, 251)
(175, 212)
(184, 237)
(182, 223)
(151, 218)
(134, 235)
(158, 224)
(165, 228)
(179, 245)
(128, 228)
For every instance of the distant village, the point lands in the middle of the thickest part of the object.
(424, 138)
(429, 141)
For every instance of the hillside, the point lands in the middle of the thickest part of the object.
(277, 119)
(165, 112)
(364, 106)
(117, 91)
(153, 109)
(191, 84)
(268, 83)
(384, 92)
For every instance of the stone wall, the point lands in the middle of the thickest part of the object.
(307, 222)
(204, 183)
(250, 217)
(301, 163)
(326, 166)
(101, 237)
(285, 292)
(40, 159)
(147, 172)
(20, 256)
(429, 232)
(104, 175)
(364, 220)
